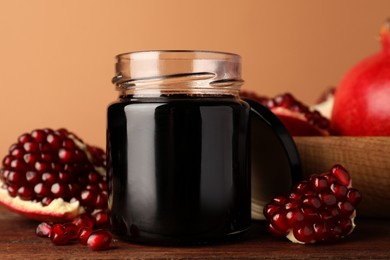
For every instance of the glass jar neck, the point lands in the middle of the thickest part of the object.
(155, 73)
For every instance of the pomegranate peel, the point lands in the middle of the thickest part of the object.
(321, 209)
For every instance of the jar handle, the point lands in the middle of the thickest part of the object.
(275, 161)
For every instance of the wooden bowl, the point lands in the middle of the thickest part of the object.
(366, 158)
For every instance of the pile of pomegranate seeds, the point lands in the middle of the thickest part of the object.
(321, 209)
(52, 175)
(81, 229)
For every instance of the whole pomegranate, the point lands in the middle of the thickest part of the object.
(362, 100)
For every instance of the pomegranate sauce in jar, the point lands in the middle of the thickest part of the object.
(178, 148)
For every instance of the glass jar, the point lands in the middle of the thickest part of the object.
(178, 148)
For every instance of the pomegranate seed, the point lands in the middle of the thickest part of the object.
(18, 165)
(346, 226)
(71, 230)
(12, 190)
(93, 177)
(41, 190)
(25, 193)
(30, 159)
(312, 202)
(102, 219)
(32, 177)
(31, 147)
(59, 236)
(271, 209)
(99, 240)
(17, 152)
(318, 210)
(294, 217)
(16, 178)
(339, 191)
(41, 167)
(354, 196)
(88, 197)
(7, 160)
(54, 141)
(102, 185)
(279, 222)
(328, 199)
(341, 174)
(43, 230)
(84, 234)
(83, 221)
(101, 201)
(59, 190)
(48, 157)
(25, 138)
(319, 183)
(304, 234)
(49, 178)
(38, 135)
(346, 208)
(68, 144)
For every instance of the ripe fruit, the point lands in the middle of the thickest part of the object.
(298, 118)
(321, 209)
(362, 100)
(53, 176)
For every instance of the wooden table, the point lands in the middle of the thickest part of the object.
(370, 240)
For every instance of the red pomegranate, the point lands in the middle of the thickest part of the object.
(362, 100)
(52, 175)
(298, 118)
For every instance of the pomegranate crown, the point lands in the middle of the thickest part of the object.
(385, 35)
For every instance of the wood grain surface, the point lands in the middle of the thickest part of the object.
(370, 240)
(366, 158)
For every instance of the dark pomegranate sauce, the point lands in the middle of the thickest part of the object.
(179, 168)
(178, 148)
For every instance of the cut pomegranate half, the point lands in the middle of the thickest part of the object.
(297, 117)
(53, 176)
(321, 209)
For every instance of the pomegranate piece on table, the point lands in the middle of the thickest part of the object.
(81, 229)
(321, 209)
(53, 176)
(362, 99)
(298, 118)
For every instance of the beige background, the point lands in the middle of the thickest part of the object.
(57, 57)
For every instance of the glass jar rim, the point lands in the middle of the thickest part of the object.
(194, 71)
(179, 54)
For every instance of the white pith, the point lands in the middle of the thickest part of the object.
(57, 208)
(326, 107)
